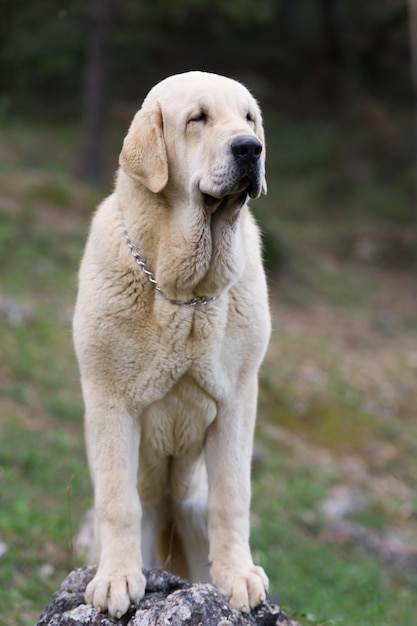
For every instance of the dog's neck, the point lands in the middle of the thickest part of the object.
(141, 261)
(191, 255)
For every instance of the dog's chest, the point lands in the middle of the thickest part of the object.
(176, 424)
(182, 359)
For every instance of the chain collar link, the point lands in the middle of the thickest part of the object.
(141, 261)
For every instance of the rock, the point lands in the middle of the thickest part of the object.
(3, 548)
(169, 600)
(344, 501)
(83, 543)
(15, 312)
(389, 549)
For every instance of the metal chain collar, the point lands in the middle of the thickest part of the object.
(141, 261)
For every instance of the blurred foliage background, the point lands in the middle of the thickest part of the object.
(334, 501)
(302, 55)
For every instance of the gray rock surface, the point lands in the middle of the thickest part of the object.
(169, 601)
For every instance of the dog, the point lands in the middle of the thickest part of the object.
(170, 327)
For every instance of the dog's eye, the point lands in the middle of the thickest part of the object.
(250, 118)
(199, 117)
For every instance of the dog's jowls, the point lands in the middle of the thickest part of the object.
(169, 382)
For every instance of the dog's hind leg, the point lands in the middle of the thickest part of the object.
(175, 537)
(172, 553)
(151, 525)
(191, 525)
(162, 545)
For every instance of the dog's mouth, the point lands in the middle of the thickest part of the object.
(236, 197)
(229, 202)
(210, 201)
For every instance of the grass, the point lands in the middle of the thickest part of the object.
(311, 572)
(44, 481)
(338, 395)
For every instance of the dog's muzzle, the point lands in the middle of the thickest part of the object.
(245, 178)
(247, 153)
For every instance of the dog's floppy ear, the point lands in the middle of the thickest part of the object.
(143, 155)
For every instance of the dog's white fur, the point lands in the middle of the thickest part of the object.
(170, 390)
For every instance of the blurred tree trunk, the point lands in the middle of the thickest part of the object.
(413, 46)
(413, 41)
(94, 88)
(331, 31)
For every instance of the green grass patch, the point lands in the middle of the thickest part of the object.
(324, 581)
(43, 494)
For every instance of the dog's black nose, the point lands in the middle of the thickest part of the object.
(247, 149)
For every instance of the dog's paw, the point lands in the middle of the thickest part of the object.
(245, 589)
(107, 592)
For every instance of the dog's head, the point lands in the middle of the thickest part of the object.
(200, 136)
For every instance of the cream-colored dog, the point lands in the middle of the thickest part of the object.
(170, 327)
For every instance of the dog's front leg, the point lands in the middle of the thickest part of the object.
(113, 451)
(228, 458)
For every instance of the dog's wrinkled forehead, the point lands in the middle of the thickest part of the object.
(201, 89)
